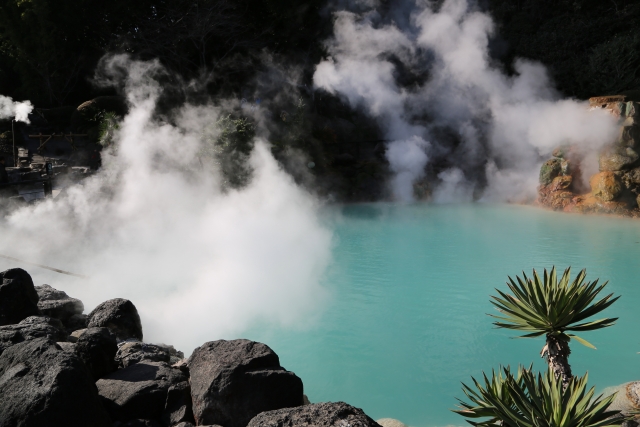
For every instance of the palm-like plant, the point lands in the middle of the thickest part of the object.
(548, 306)
(531, 400)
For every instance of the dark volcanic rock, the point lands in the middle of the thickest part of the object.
(97, 348)
(58, 304)
(36, 320)
(43, 386)
(77, 321)
(233, 381)
(338, 414)
(132, 352)
(18, 297)
(177, 408)
(119, 315)
(29, 329)
(144, 391)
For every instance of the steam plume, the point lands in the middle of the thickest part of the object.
(484, 130)
(10, 109)
(156, 226)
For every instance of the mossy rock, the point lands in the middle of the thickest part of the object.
(549, 170)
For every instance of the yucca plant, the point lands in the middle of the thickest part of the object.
(488, 399)
(541, 400)
(545, 305)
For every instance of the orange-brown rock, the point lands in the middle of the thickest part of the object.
(605, 186)
(592, 204)
(556, 195)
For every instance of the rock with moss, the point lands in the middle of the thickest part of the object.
(549, 170)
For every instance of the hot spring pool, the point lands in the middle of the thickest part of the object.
(411, 284)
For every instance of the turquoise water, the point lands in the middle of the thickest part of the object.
(411, 284)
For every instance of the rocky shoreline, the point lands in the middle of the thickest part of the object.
(60, 367)
(615, 188)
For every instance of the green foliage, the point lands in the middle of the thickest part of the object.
(294, 130)
(548, 306)
(109, 125)
(530, 400)
(487, 400)
(229, 145)
(236, 135)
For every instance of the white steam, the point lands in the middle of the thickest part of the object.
(154, 226)
(10, 109)
(407, 159)
(504, 125)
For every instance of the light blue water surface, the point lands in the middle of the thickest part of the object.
(407, 320)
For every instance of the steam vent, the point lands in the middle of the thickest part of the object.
(565, 183)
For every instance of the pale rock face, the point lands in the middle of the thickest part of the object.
(627, 396)
(390, 422)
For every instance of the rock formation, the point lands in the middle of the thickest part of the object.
(29, 329)
(233, 381)
(18, 297)
(58, 304)
(42, 385)
(141, 391)
(55, 372)
(119, 315)
(337, 414)
(615, 189)
(97, 348)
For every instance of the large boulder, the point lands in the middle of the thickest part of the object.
(119, 315)
(43, 386)
(31, 328)
(338, 414)
(58, 304)
(18, 297)
(233, 381)
(132, 352)
(147, 391)
(627, 401)
(605, 186)
(97, 348)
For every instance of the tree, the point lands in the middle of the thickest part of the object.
(553, 308)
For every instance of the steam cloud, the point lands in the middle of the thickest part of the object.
(154, 225)
(490, 130)
(10, 109)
